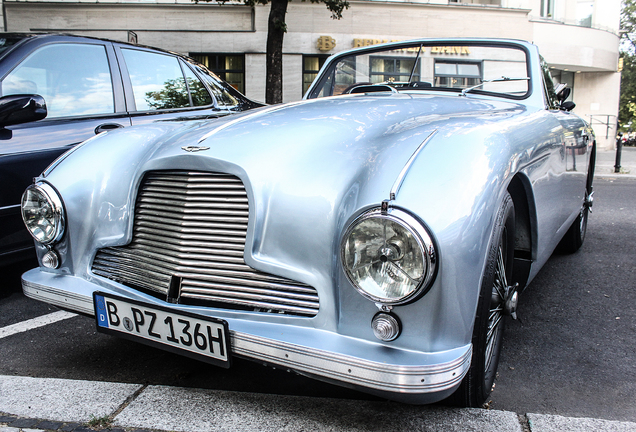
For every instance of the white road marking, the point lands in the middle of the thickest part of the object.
(35, 323)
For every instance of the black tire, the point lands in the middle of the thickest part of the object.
(489, 320)
(575, 236)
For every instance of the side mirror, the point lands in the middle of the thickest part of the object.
(18, 109)
(562, 94)
(568, 106)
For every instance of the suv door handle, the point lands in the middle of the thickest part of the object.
(106, 127)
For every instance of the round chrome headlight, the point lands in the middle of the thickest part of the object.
(389, 258)
(43, 213)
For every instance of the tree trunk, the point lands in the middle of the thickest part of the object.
(275, 32)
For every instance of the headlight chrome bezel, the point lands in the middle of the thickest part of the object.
(424, 240)
(54, 201)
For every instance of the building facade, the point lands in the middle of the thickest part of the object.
(579, 39)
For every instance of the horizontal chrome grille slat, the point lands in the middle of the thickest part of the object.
(182, 251)
(191, 230)
(146, 213)
(256, 304)
(158, 240)
(176, 208)
(192, 226)
(246, 292)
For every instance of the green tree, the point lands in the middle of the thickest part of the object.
(628, 26)
(627, 110)
(276, 29)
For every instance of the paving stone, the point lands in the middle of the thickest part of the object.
(46, 424)
(24, 423)
(83, 429)
(7, 419)
(68, 427)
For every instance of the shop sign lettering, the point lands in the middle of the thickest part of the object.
(453, 50)
(326, 43)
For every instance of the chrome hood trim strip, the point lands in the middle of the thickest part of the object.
(400, 179)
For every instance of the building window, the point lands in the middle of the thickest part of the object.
(457, 74)
(584, 11)
(311, 66)
(228, 67)
(547, 8)
(483, 2)
(392, 69)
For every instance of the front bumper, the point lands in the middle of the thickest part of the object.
(394, 373)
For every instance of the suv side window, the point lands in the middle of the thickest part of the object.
(74, 79)
(200, 96)
(158, 82)
(223, 97)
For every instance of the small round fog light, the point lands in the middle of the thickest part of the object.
(51, 260)
(386, 327)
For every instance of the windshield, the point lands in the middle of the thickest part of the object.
(500, 70)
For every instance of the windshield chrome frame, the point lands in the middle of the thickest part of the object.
(523, 46)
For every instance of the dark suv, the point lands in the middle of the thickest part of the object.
(59, 90)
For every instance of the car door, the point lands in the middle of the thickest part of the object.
(161, 86)
(82, 88)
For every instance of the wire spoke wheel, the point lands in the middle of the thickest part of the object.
(499, 293)
(493, 305)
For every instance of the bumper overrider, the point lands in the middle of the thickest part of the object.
(398, 374)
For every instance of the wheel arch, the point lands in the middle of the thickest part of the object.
(525, 251)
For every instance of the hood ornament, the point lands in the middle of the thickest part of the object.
(193, 149)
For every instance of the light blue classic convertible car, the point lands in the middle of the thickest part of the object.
(376, 235)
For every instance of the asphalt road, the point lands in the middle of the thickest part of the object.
(571, 352)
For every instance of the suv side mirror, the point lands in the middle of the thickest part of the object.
(24, 108)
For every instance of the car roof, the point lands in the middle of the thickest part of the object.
(72, 37)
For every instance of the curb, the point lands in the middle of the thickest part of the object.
(51, 404)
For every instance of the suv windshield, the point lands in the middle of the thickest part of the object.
(500, 70)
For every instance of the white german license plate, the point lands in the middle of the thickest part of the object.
(192, 335)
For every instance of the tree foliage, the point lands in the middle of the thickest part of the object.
(628, 26)
(276, 29)
(627, 110)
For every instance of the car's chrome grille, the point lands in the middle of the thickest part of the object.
(188, 242)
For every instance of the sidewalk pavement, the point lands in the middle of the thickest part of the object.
(36, 404)
(606, 159)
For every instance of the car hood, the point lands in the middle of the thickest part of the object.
(309, 168)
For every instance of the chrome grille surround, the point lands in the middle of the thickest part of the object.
(188, 243)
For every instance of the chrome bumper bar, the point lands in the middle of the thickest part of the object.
(417, 377)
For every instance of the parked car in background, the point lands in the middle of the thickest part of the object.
(376, 235)
(86, 86)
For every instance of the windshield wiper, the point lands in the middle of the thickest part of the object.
(501, 79)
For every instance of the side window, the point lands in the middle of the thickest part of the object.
(158, 82)
(223, 97)
(200, 96)
(74, 79)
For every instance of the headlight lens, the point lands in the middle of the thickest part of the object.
(389, 258)
(43, 213)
